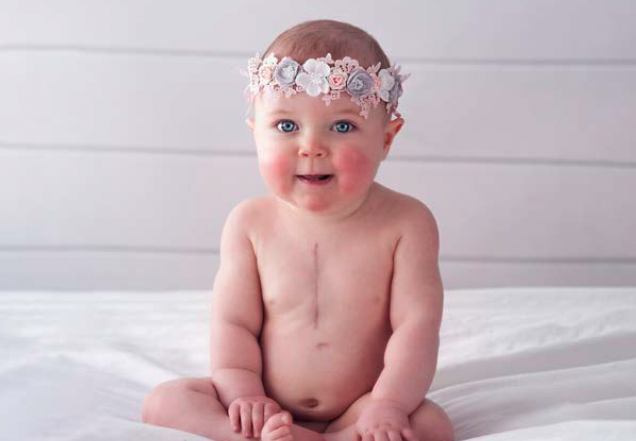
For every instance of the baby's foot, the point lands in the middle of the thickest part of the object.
(278, 428)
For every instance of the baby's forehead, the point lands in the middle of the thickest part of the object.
(301, 103)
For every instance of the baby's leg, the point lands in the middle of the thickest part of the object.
(191, 405)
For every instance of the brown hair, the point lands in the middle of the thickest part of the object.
(314, 39)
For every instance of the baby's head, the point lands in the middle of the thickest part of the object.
(316, 112)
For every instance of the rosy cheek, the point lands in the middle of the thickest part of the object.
(276, 169)
(353, 168)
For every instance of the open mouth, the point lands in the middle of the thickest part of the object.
(315, 179)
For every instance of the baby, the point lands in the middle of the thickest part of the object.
(328, 300)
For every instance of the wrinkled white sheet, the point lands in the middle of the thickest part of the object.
(515, 363)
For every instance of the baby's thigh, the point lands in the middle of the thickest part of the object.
(199, 384)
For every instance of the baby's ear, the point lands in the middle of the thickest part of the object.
(250, 122)
(392, 129)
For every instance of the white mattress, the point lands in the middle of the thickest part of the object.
(515, 363)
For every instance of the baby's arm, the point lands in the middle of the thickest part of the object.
(237, 315)
(410, 358)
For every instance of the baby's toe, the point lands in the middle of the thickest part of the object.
(283, 433)
(278, 425)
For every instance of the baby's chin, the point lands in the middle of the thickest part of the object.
(309, 208)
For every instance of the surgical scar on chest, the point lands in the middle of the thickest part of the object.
(315, 286)
(316, 314)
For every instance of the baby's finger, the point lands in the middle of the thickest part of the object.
(257, 418)
(270, 410)
(234, 412)
(280, 432)
(394, 435)
(409, 434)
(380, 435)
(246, 419)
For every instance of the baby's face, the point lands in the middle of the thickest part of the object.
(320, 159)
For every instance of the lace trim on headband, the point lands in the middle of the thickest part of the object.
(367, 87)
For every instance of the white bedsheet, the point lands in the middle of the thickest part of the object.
(515, 363)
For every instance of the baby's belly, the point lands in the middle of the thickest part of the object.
(316, 374)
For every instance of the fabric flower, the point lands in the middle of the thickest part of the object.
(337, 79)
(396, 91)
(270, 61)
(359, 83)
(255, 83)
(266, 73)
(347, 64)
(314, 79)
(253, 63)
(286, 71)
(387, 84)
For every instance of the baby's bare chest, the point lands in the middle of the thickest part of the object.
(326, 282)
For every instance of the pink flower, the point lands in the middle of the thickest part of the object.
(347, 64)
(337, 79)
(253, 63)
(266, 73)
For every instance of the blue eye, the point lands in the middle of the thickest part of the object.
(285, 126)
(343, 127)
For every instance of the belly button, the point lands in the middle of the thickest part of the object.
(322, 345)
(310, 402)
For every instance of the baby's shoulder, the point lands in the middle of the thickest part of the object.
(411, 217)
(251, 208)
(406, 209)
(250, 213)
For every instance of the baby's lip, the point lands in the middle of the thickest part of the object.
(315, 177)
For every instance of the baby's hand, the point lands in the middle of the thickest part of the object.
(382, 420)
(249, 414)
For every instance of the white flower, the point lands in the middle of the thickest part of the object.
(314, 79)
(387, 84)
(270, 61)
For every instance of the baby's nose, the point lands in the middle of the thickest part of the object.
(313, 152)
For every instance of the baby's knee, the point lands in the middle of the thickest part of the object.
(156, 401)
(161, 400)
(431, 422)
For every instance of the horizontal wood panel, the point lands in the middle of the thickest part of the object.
(516, 210)
(103, 270)
(487, 274)
(180, 202)
(196, 106)
(488, 29)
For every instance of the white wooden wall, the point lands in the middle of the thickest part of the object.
(123, 144)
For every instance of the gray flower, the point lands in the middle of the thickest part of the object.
(359, 83)
(396, 91)
(285, 72)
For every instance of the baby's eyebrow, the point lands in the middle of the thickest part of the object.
(354, 112)
(338, 112)
(280, 112)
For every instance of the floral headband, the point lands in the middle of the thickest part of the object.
(322, 75)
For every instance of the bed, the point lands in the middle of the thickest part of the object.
(515, 363)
